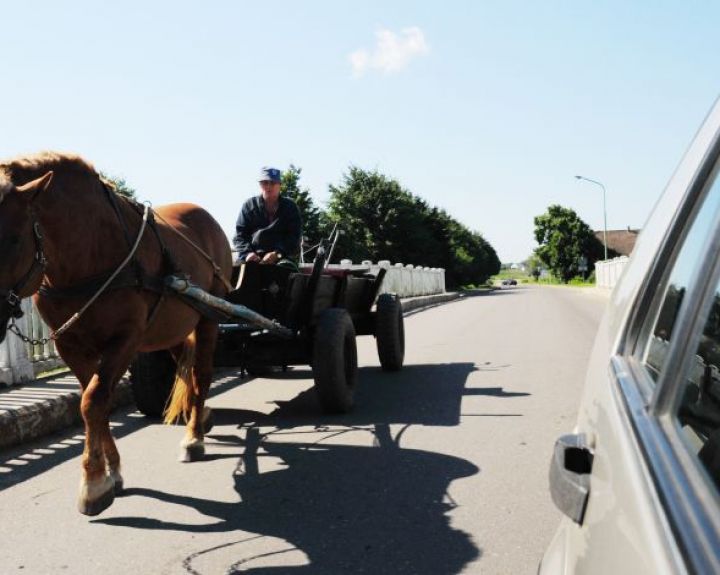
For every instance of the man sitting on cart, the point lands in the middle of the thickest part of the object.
(269, 227)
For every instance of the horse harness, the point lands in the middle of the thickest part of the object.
(129, 274)
(11, 296)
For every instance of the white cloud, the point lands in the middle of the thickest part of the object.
(392, 51)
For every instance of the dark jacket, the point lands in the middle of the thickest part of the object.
(255, 233)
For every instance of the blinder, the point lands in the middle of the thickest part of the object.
(12, 296)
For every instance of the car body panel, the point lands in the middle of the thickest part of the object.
(622, 531)
(625, 528)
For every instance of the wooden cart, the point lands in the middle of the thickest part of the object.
(283, 317)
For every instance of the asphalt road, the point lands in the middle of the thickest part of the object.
(441, 469)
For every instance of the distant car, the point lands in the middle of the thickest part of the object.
(638, 479)
(513, 282)
(506, 283)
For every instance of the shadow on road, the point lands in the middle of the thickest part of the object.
(419, 394)
(348, 509)
(23, 462)
(370, 508)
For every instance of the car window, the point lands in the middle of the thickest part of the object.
(698, 412)
(654, 351)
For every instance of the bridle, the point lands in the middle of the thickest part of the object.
(12, 296)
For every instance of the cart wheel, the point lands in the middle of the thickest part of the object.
(151, 378)
(390, 332)
(335, 361)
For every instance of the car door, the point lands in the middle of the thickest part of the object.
(638, 480)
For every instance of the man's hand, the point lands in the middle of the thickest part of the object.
(252, 257)
(271, 258)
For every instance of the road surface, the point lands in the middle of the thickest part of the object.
(441, 468)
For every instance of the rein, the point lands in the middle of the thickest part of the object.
(42, 261)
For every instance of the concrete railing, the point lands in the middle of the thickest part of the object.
(20, 361)
(404, 280)
(23, 362)
(608, 272)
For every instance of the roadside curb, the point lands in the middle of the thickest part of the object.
(418, 303)
(415, 303)
(41, 407)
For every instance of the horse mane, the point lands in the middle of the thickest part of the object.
(22, 169)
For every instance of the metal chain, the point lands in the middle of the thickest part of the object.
(16, 330)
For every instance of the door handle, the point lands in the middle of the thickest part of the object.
(570, 475)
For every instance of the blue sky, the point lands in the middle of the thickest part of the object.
(487, 109)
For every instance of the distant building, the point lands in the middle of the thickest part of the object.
(621, 242)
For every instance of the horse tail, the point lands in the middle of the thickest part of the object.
(183, 391)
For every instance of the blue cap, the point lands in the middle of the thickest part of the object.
(269, 175)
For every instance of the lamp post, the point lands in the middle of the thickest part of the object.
(604, 209)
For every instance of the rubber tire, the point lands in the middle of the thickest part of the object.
(152, 376)
(334, 362)
(390, 332)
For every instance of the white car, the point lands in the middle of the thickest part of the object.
(638, 479)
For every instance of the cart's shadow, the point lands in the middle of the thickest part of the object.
(425, 394)
(348, 500)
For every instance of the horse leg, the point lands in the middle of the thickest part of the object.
(96, 486)
(83, 368)
(83, 365)
(199, 422)
(101, 461)
(112, 460)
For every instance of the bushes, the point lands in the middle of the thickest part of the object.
(383, 221)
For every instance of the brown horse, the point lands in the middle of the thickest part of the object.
(62, 229)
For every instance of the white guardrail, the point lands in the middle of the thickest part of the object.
(20, 361)
(608, 272)
(403, 280)
(23, 362)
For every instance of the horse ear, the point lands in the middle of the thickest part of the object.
(32, 189)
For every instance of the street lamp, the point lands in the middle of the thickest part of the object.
(604, 209)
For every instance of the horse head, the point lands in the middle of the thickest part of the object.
(21, 258)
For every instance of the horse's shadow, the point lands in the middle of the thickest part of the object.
(372, 508)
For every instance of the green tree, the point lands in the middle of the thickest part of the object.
(380, 220)
(534, 266)
(383, 221)
(466, 256)
(564, 239)
(310, 214)
(119, 184)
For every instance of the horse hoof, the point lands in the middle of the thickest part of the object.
(98, 505)
(118, 487)
(118, 482)
(96, 496)
(208, 420)
(192, 452)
